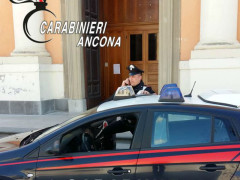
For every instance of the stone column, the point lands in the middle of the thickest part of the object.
(218, 24)
(73, 59)
(23, 45)
(169, 41)
(29, 82)
(215, 61)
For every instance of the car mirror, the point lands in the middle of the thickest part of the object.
(54, 148)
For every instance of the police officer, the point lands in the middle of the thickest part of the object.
(135, 80)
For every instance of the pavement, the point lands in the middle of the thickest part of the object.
(12, 124)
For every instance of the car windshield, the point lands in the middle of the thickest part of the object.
(54, 128)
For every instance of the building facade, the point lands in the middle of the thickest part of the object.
(173, 41)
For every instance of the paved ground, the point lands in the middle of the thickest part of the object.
(11, 124)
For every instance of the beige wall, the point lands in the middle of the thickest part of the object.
(7, 33)
(54, 47)
(6, 28)
(190, 26)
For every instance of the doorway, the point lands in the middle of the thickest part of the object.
(123, 17)
(137, 23)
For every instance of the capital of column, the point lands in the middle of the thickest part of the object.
(23, 45)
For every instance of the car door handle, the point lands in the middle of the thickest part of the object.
(212, 167)
(119, 171)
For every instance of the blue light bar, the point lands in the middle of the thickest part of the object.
(167, 86)
(171, 94)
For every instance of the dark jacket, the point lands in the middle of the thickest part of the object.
(136, 88)
(140, 86)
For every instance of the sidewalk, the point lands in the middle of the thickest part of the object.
(11, 124)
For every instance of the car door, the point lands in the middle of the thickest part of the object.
(119, 163)
(185, 144)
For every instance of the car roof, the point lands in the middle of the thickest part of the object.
(223, 98)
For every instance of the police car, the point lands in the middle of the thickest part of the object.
(164, 136)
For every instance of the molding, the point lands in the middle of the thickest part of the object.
(33, 107)
(26, 60)
(77, 106)
(17, 53)
(211, 64)
(132, 27)
(215, 53)
(132, 24)
(217, 45)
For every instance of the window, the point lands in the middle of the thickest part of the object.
(172, 129)
(152, 46)
(223, 131)
(136, 47)
(111, 133)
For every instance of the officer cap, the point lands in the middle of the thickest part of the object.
(133, 70)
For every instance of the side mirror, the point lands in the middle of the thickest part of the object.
(54, 149)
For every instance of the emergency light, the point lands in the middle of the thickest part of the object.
(171, 93)
(167, 86)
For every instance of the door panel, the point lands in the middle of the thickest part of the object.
(122, 55)
(115, 55)
(188, 163)
(188, 171)
(119, 162)
(92, 59)
(88, 166)
(145, 57)
(179, 144)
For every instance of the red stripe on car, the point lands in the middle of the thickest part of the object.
(191, 158)
(131, 162)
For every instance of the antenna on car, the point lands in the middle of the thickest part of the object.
(190, 94)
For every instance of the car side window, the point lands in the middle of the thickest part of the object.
(110, 133)
(173, 129)
(223, 131)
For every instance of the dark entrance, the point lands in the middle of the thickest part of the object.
(92, 58)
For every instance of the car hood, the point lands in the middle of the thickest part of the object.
(13, 142)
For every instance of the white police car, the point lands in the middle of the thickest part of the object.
(144, 137)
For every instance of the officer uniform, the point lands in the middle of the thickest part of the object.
(133, 70)
(141, 86)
